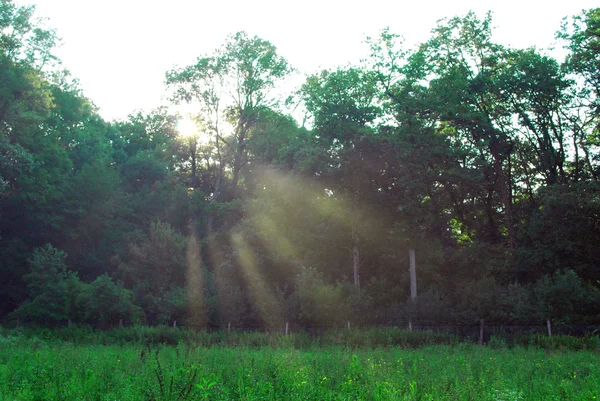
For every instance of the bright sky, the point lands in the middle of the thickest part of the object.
(121, 49)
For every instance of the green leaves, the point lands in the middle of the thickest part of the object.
(51, 288)
(104, 302)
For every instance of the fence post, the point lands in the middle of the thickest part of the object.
(69, 323)
(549, 327)
(481, 332)
(348, 324)
(287, 327)
(121, 323)
(410, 324)
(174, 324)
(229, 327)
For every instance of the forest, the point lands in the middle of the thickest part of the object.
(268, 204)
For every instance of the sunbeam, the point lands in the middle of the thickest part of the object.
(260, 294)
(195, 285)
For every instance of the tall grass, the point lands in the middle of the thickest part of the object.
(355, 338)
(31, 369)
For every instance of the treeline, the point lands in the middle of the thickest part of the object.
(483, 158)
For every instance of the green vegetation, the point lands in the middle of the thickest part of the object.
(356, 339)
(484, 159)
(33, 369)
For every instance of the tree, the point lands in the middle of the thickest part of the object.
(464, 62)
(106, 303)
(32, 164)
(582, 39)
(154, 267)
(52, 289)
(343, 105)
(232, 86)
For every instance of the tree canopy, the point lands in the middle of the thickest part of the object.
(483, 158)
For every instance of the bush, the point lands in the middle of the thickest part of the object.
(106, 302)
(319, 304)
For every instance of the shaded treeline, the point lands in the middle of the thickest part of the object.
(483, 158)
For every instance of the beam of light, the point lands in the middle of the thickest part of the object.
(275, 219)
(303, 194)
(342, 209)
(230, 306)
(260, 294)
(195, 286)
(277, 243)
(281, 199)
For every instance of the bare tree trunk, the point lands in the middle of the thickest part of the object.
(413, 275)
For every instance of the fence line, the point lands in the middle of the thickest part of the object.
(482, 332)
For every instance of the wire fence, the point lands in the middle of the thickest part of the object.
(482, 332)
(464, 331)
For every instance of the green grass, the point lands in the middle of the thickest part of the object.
(33, 369)
(361, 338)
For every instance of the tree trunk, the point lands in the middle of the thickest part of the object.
(413, 275)
(241, 132)
(588, 160)
(506, 200)
(215, 197)
(193, 155)
(195, 180)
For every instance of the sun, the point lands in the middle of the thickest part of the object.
(187, 127)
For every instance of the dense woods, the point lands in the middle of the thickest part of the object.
(483, 158)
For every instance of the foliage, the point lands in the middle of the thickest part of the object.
(481, 157)
(52, 289)
(106, 303)
(320, 304)
(73, 372)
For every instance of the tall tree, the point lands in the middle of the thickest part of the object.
(343, 106)
(232, 86)
(582, 39)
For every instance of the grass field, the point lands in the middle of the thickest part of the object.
(33, 369)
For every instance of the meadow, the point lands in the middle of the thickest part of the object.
(38, 368)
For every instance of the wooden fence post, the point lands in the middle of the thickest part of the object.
(229, 327)
(174, 324)
(549, 327)
(121, 323)
(481, 323)
(348, 324)
(287, 328)
(410, 324)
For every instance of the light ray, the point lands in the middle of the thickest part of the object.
(260, 294)
(195, 286)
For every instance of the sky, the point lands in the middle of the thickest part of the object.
(120, 49)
